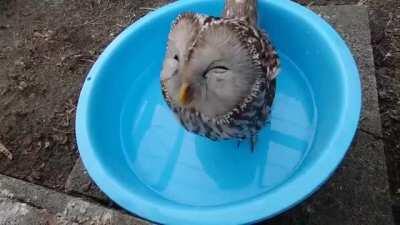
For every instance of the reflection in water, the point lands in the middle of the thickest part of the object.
(189, 169)
(171, 163)
(229, 166)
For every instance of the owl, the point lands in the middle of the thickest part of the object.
(218, 74)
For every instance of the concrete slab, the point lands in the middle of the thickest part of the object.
(23, 203)
(352, 23)
(13, 213)
(358, 192)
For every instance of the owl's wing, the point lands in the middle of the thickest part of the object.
(269, 58)
(270, 64)
(260, 46)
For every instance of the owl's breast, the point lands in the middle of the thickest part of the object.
(241, 123)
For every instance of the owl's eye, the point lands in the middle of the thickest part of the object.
(215, 70)
(219, 69)
(176, 58)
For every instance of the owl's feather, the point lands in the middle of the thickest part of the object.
(218, 73)
(242, 9)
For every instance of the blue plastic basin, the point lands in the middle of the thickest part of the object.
(140, 156)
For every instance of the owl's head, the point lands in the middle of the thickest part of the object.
(211, 64)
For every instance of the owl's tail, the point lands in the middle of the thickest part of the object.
(246, 9)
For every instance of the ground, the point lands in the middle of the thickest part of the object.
(48, 46)
(46, 49)
(385, 33)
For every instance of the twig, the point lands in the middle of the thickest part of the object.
(61, 131)
(147, 8)
(5, 151)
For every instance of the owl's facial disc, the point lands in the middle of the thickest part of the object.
(208, 67)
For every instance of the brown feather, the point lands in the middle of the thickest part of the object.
(243, 9)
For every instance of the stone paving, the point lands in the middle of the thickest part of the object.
(23, 203)
(356, 194)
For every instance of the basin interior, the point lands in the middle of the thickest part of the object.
(144, 148)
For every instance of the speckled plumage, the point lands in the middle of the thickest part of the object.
(248, 115)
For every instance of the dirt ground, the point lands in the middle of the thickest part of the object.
(46, 49)
(48, 46)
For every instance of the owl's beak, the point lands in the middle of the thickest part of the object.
(185, 94)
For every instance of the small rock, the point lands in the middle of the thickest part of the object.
(12, 75)
(18, 43)
(2, 92)
(19, 62)
(310, 209)
(5, 26)
(22, 85)
(36, 175)
(64, 140)
(394, 115)
(37, 34)
(27, 141)
(63, 58)
(86, 187)
(8, 49)
(30, 179)
(49, 34)
(46, 144)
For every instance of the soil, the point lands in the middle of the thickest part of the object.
(48, 46)
(46, 49)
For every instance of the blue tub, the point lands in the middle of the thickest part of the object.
(139, 155)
